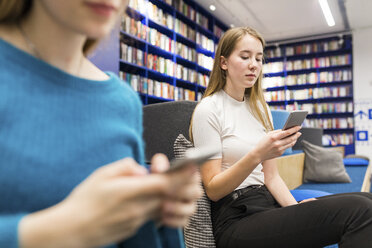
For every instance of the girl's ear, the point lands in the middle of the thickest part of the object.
(223, 63)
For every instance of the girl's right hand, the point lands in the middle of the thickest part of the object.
(107, 207)
(276, 142)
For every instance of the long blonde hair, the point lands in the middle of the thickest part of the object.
(13, 11)
(217, 79)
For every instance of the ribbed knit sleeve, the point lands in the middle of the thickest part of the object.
(9, 230)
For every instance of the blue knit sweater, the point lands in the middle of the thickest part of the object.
(55, 130)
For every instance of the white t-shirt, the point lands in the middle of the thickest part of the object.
(227, 124)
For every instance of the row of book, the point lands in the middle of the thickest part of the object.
(318, 62)
(156, 38)
(322, 46)
(302, 49)
(186, 52)
(205, 61)
(337, 139)
(318, 93)
(294, 65)
(205, 42)
(309, 78)
(163, 18)
(330, 123)
(304, 94)
(158, 89)
(166, 66)
(190, 12)
(217, 31)
(322, 108)
(137, 56)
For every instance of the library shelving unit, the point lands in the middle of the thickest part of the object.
(314, 75)
(167, 49)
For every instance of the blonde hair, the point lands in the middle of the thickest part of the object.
(13, 11)
(217, 79)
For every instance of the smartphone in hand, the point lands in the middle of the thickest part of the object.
(295, 118)
(197, 156)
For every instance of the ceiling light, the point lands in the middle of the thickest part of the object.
(212, 7)
(327, 12)
(232, 26)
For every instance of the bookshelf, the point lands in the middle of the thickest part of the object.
(314, 75)
(167, 49)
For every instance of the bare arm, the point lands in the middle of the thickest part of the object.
(219, 183)
(276, 185)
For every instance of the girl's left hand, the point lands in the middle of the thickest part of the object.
(308, 200)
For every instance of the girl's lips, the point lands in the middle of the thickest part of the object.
(101, 9)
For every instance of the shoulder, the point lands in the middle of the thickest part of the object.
(209, 104)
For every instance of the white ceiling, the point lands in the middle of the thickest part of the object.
(279, 20)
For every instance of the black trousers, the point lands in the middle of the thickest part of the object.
(252, 218)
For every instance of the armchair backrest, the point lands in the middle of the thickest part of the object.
(313, 135)
(163, 122)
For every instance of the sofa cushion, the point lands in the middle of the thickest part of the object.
(323, 165)
(355, 162)
(198, 231)
(302, 194)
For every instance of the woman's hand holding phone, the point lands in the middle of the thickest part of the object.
(112, 203)
(184, 189)
(276, 142)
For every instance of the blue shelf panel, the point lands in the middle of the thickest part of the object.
(185, 19)
(155, 75)
(349, 149)
(203, 70)
(276, 59)
(206, 52)
(327, 99)
(319, 54)
(305, 71)
(158, 51)
(330, 115)
(201, 88)
(162, 29)
(277, 103)
(318, 85)
(185, 62)
(186, 84)
(137, 42)
(155, 99)
(336, 67)
(135, 14)
(132, 68)
(275, 88)
(275, 74)
(161, 4)
(338, 130)
(186, 41)
(133, 41)
(302, 86)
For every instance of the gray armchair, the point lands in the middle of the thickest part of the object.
(163, 122)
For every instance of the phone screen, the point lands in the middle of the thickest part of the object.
(295, 118)
(196, 156)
